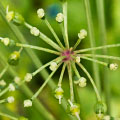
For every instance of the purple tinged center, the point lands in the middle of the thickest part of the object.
(68, 54)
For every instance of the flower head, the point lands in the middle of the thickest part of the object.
(27, 103)
(11, 87)
(41, 13)
(28, 77)
(10, 99)
(59, 17)
(82, 34)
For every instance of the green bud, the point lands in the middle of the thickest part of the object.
(100, 109)
(22, 118)
(14, 58)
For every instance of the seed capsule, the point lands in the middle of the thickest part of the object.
(100, 109)
(59, 94)
(14, 58)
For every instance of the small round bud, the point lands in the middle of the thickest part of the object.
(59, 17)
(28, 77)
(41, 13)
(82, 34)
(100, 109)
(34, 31)
(113, 66)
(17, 80)
(77, 59)
(53, 66)
(14, 58)
(74, 109)
(81, 82)
(2, 83)
(22, 118)
(10, 99)
(6, 41)
(10, 16)
(27, 103)
(59, 94)
(11, 87)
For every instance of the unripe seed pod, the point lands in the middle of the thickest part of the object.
(100, 109)
(14, 58)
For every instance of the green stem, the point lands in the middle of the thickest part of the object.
(91, 80)
(71, 83)
(76, 44)
(61, 75)
(97, 48)
(92, 42)
(44, 84)
(38, 48)
(2, 101)
(4, 91)
(45, 39)
(8, 116)
(65, 24)
(54, 34)
(101, 56)
(3, 71)
(96, 61)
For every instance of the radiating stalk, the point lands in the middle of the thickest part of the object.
(54, 34)
(4, 91)
(8, 116)
(98, 48)
(103, 37)
(71, 83)
(91, 80)
(45, 38)
(92, 41)
(3, 71)
(96, 61)
(65, 24)
(38, 48)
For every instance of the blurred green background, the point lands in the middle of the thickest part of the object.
(76, 21)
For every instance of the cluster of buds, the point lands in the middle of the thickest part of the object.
(15, 17)
(10, 99)
(100, 109)
(14, 58)
(27, 103)
(53, 66)
(60, 18)
(59, 94)
(113, 66)
(28, 77)
(82, 34)
(74, 109)
(81, 82)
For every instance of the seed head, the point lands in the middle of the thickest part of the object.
(59, 17)
(10, 99)
(27, 103)
(41, 13)
(82, 34)
(34, 31)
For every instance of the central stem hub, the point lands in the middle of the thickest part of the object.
(68, 55)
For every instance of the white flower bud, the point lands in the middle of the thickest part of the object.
(82, 82)
(113, 66)
(17, 80)
(11, 87)
(6, 41)
(41, 13)
(2, 83)
(82, 34)
(27, 103)
(77, 59)
(59, 17)
(10, 16)
(34, 31)
(10, 99)
(28, 77)
(53, 66)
